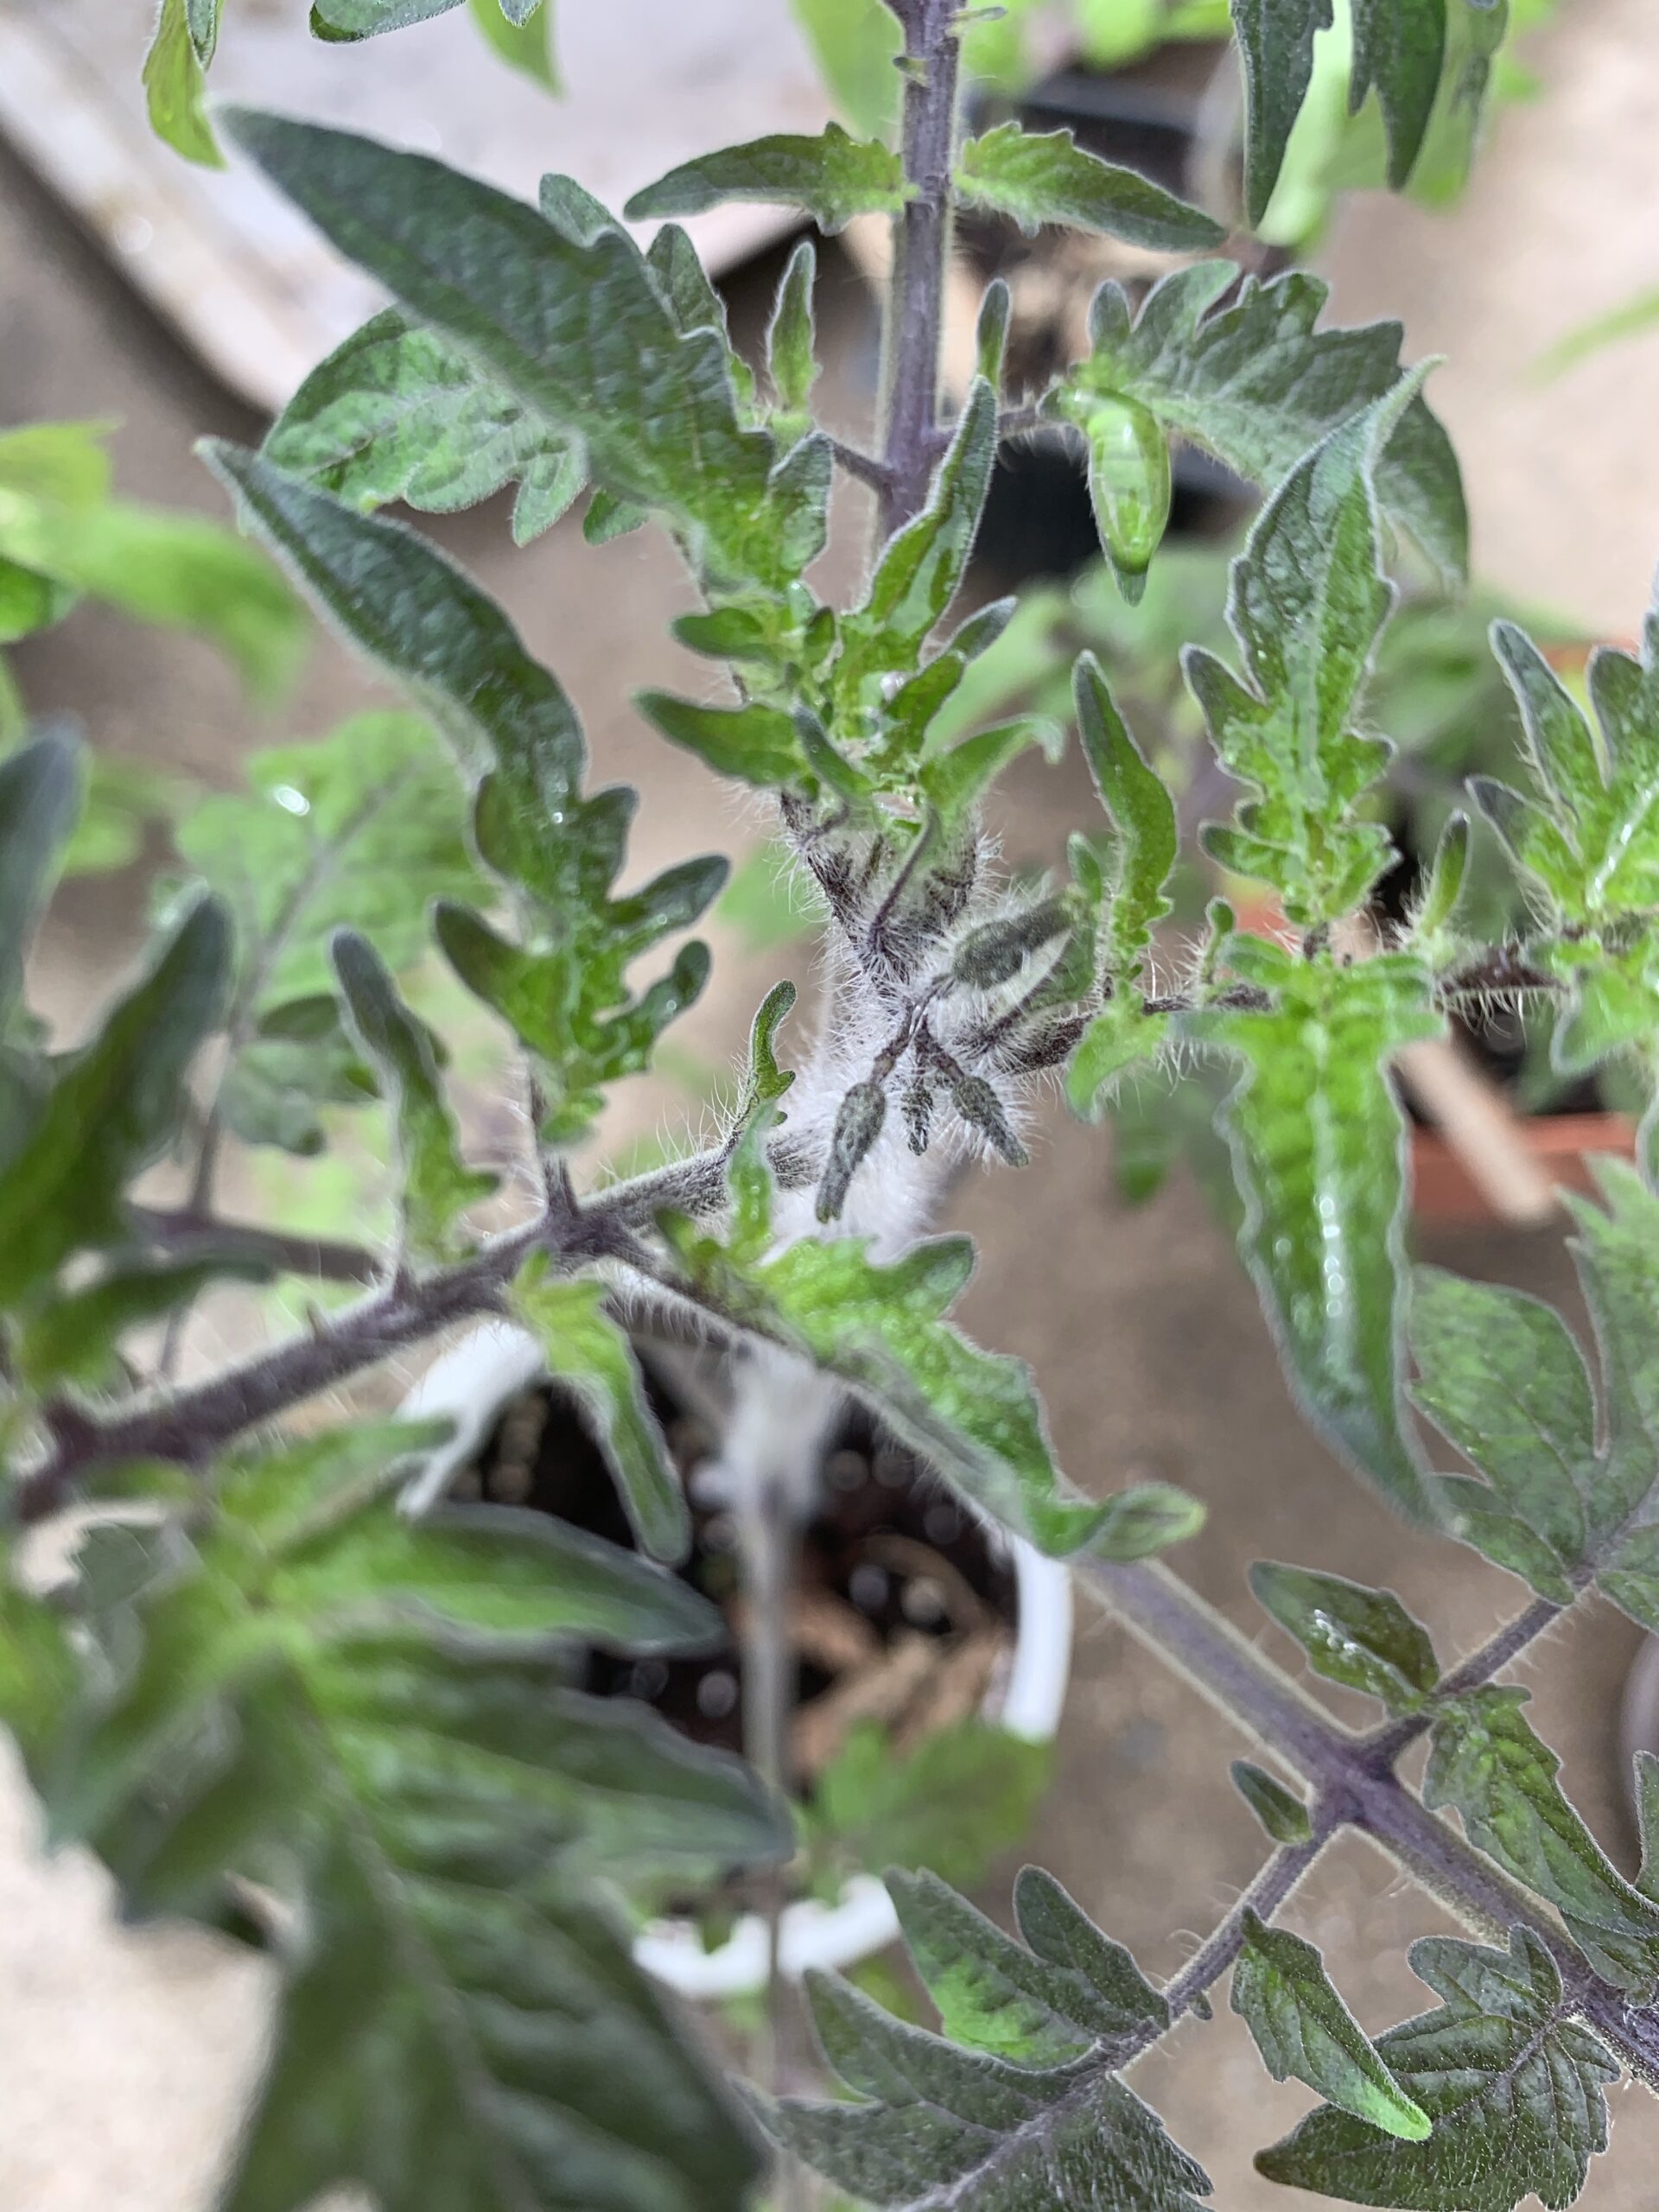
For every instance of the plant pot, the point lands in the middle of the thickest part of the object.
(1561, 1145)
(471, 1385)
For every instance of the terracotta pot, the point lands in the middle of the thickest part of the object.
(1563, 1144)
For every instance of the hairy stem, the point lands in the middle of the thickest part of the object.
(1230, 1671)
(921, 241)
(190, 1426)
(864, 465)
(1385, 1744)
(1265, 1896)
(182, 1232)
(1357, 1788)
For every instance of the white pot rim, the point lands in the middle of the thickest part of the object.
(467, 1385)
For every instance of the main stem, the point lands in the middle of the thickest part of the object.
(921, 239)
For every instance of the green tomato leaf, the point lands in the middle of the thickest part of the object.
(340, 20)
(1283, 1815)
(1365, 1639)
(1302, 2028)
(954, 782)
(1513, 2088)
(921, 565)
(1256, 384)
(523, 36)
(1276, 43)
(1500, 1376)
(1439, 901)
(881, 1328)
(1319, 1145)
(1146, 1519)
(1142, 813)
(547, 1000)
(791, 358)
(1590, 838)
(931, 2117)
(974, 1415)
(833, 177)
(856, 45)
(991, 333)
(31, 602)
(114, 1106)
(74, 1339)
(297, 1063)
(202, 17)
(695, 303)
(1050, 179)
(590, 1356)
(577, 333)
(764, 1082)
(1306, 602)
(418, 618)
(453, 1569)
(1485, 1761)
(434, 1184)
(564, 991)
(1503, 1379)
(955, 1800)
(1614, 1007)
(1120, 1037)
(179, 571)
(1061, 1992)
(358, 829)
(388, 1994)
(176, 89)
(365, 1715)
(1401, 50)
(40, 798)
(1647, 1819)
(1477, 1516)
(65, 463)
(756, 744)
(396, 412)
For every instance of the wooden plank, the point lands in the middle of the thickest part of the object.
(244, 281)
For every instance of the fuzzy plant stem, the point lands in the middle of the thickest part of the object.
(185, 1231)
(189, 1425)
(1266, 1894)
(1388, 1742)
(767, 1499)
(1355, 1787)
(921, 241)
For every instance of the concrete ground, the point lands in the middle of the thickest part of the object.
(124, 2057)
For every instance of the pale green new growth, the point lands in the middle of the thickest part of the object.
(1302, 2027)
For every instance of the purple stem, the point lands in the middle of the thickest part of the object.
(921, 241)
(1357, 1788)
(191, 1425)
(1264, 1897)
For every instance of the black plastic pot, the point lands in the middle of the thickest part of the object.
(1148, 116)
